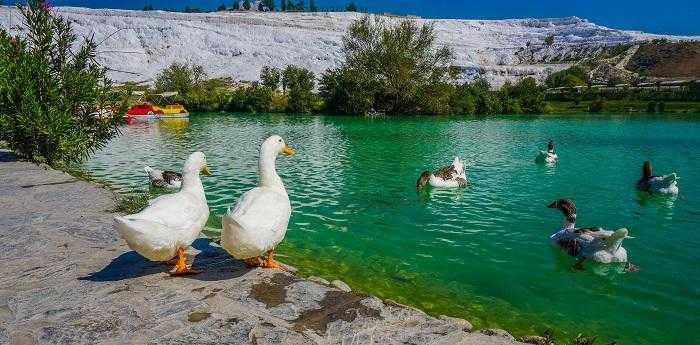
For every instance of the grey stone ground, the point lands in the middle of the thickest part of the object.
(67, 278)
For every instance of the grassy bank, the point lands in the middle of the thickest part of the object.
(624, 106)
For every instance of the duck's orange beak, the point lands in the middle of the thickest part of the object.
(288, 151)
(206, 171)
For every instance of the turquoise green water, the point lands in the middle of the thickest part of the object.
(481, 252)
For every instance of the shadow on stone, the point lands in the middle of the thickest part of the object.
(215, 263)
(126, 266)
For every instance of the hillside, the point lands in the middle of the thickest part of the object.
(137, 45)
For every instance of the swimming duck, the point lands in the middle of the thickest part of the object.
(665, 184)
(587, 243)
(258, 222)
(451, 176)
(163, 178)
(171, 222)
(549, 156)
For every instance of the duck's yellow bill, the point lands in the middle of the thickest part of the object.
(288, 151)
(206, 171)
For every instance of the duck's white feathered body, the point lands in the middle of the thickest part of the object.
(258, 222)
(666, 184)
(546, 157)
(451, 176)
(163, 178)
(170, 221)
(603, 246)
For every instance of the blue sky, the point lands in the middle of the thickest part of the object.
(658, 16)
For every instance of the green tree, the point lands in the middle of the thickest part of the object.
(347, 91)
(312, 6)
(270, 77)
(300, 82)
(49, 87)
(179, 77)
(401, 61)
(530, 96)
(148, 8)
(549, 40)
(221, 7)
(351, 7)
(246, 5)
(283, 5)
(270, 4)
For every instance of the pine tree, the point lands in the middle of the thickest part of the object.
(351, 7)
(246, 5)
(312, 6)
(221, 7)
(283, 6)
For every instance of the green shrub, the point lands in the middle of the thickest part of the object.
(300, 82)
(270, 77)
(179, 77)
(597, 106)
(576, 75)
(400, 62)
(49, 86)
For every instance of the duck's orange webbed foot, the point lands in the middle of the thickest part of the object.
(253, 262)
(270, 262)
(181, 266)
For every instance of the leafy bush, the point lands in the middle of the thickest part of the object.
(400, 62)
(597, 106)
(49, 86)
(300, 82)
(270, 77)
(254, 99)
(576, 75)
(179, 77)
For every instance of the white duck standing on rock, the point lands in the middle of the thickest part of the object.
(258, 222)
(163, 178)
(171, 222)
(549, 156)
(666, 184)
(451, 176)
(595, 244)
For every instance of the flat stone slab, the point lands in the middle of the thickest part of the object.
(68, 278)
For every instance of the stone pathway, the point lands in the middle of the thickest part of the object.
(67, 278)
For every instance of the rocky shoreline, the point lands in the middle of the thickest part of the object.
(68, 278)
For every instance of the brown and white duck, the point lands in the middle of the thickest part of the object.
(451, 176)
(596, 244)
(666, 184)
(163, 178)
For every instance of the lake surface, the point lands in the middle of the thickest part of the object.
(481, 252)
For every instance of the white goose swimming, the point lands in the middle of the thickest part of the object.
(258, 222)
(549, 156)
(163, 178)
(171, 222)
(587, 243)
(665, 184)
(451, 176)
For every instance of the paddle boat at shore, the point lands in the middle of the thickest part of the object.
(142, 112)
(171, 111)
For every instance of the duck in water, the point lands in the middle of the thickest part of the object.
(451, 176)
(595, 244)
(665, 184)
(549, 156)
(163, 178)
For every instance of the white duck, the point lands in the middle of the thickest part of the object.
(163, 178)
(171, 222)
(665, 184)
(587, 243)
(258, 222)
(451, 176)
(549, 156)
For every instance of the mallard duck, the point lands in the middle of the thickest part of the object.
(451, 176)
(587, 243)
(163, 178)
(549, 156)
(258, 222)
(665, 184)
(171, 222)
